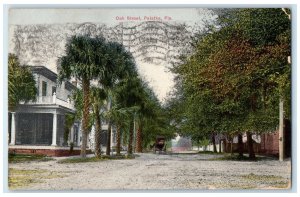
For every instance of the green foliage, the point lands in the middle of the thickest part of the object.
(204, 142)
(79, 160)
(89, 59)
(21, 83)
(19, 158)
(77, 97)
(94, 159)
(69, 121)
(233, 80)
(85, 58)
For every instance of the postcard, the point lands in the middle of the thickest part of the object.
(146, 99)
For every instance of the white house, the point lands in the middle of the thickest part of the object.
(38, 127)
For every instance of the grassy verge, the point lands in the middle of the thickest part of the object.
(236, 157)
(18, 158)
(271, 181)
(210, 153)
(20, 179)
(264, 178)
(95, 159)
(254, 181)
(230, 157)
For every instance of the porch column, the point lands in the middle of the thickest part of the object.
(72, 134)
(79, 133)
(13, 129)
(54, 129)
(112, 137)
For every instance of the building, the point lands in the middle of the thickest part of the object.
(38, 127)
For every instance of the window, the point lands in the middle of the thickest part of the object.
(44, 88)
(53, 90)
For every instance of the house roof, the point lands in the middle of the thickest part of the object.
(42, 70)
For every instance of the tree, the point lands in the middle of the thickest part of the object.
(127, 94)
(147, 114)
(98, 97)
(69, 121)
(86, 59)
(21, 83)
(268, 33)
(230, 83)
(123, 67)
(120, 117)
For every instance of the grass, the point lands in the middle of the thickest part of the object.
(264, 178)
(18, 158)
(210, 152)
(271, 181)
(255, 181)
(240, 186)
(18, 179)
(236, 157)
(282, 185)
(95, 159)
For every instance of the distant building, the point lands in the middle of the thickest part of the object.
(180, 144)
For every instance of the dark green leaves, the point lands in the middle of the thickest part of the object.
(21, 83)
(233, 80)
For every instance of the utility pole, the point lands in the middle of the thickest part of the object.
(281, 115)
(281, 130)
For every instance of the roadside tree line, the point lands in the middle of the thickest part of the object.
(233, 81)
(111, 89)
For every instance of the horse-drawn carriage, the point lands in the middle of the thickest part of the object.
(159, 145)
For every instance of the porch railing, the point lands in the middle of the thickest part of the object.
(54, 100)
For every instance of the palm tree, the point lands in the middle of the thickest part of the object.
(127, 94)
(148, 111)
(98, 97)
(121, 118)
(86, 59)
(123, 67)
(145, 113)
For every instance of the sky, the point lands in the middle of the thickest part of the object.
(158, 76)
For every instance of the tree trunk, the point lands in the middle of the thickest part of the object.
(86, 115)
(220, 146)
(118, 147)
(240, 145)
(139, 139)
(214, 142)
(225, 145)
(108, 130)
(130, 138)
(108, 138)
(231, 145)
(97, 131)
(250, 146)
(124, 138)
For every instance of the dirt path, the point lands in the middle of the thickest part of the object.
(149, 171)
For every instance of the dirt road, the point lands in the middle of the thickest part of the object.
(155, 172)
